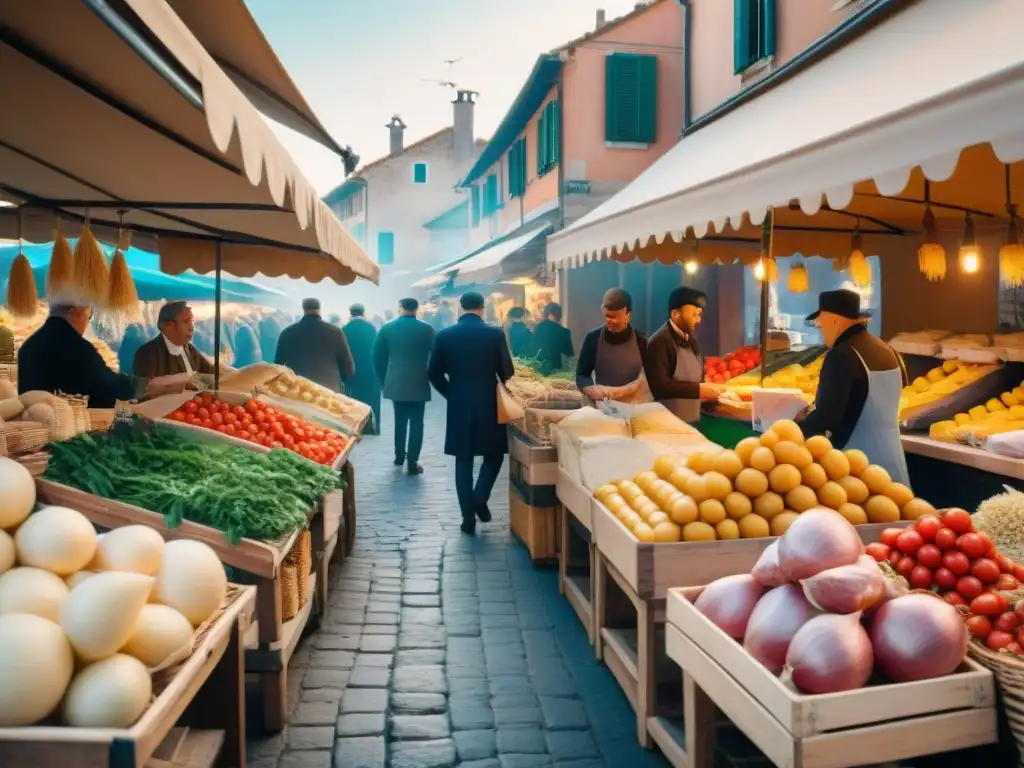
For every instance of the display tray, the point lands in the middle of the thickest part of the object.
(965, 455)
(577, 499)
(260, 558)
(154, 740)
(876, 724)
(651, 569)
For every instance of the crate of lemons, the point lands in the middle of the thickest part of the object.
(756, 490)
(939, 383)
(997, 415)
(802, 377)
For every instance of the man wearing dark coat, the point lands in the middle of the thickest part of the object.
(400, 357)
(57, 358)
(520, 339)
(363, 385)
(468, 361)
(172, 352)
(315, 349)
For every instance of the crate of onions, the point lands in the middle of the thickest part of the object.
(822, 652)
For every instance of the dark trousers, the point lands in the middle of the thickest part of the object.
(481, 492)
(408, 421)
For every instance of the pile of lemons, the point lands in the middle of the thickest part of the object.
(756, 490)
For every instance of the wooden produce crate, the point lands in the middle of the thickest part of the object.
(536, 527)
(577, 553)
(872, 725)
(270, 640)
(631, 582)
(533, 504)
(197, 717)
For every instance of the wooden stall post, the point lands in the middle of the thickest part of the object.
(349, 508)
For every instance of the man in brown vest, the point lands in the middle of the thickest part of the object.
(172, 352)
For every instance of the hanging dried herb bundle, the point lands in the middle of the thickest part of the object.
(122, 297)
(60, 273)
(22, 295)
(91, 273)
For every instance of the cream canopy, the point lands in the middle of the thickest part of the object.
(934, 93)
(107, 112)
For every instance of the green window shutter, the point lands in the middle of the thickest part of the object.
(766, 43)
(475, 204)
(419, 173)
(491, 195)
(744, 32)
(522, 164)
(385, 248)
(631, 92)
(554, 133)
(542, 141)
(513, 170)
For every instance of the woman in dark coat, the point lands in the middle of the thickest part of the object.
(363, 385)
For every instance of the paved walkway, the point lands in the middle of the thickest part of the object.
(443, 650)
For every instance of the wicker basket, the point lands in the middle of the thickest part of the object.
(3, 445)
(303, 552)
(1008, 670)
(289, 592)
(101, 419)
(79, 411)
(24, 437)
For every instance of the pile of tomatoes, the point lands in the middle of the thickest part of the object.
(258, 423)
(943, 552)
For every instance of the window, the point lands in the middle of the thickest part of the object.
(475, 205)
(359, 233)
(753, 32)
(385, 248)
(419, 173)
(517, 169)
(491, 195)
(547, 138)
(631, 95)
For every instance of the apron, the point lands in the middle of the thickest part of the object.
(688, 368)
(617, 365)
(877, 431)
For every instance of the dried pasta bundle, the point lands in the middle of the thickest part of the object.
(22, 296)
(91, 273)
(122, 296)
(59, 275)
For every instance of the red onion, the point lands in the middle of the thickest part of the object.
(776, 619)
(830, 653)
(766, 570)
(729, 601)
(917, 637)
(848, 588)
(818, 539)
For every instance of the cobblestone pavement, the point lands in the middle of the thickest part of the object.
(443, 650)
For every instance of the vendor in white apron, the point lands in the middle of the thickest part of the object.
(857, 403)
(611, 357)
(674, 364)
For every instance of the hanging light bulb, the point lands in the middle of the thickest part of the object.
(857, 263)
(798, 280)
(1011, 255)
(931, 256)
(970, 256)
(766, 268)
(690, 245)
(690, 267)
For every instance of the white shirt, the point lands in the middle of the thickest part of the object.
(176, 351)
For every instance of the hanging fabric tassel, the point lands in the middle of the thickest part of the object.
(91, 274)
(798, 280)
(123, 297)
(22, 294)
(59, 274)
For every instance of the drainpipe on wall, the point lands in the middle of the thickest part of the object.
(561, 153)
(687, 10)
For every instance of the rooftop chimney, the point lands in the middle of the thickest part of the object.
(463, 106)
(600, 18)
(397, 128)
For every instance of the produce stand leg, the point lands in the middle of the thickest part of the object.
(273, 685)
(600, 571)
(318, 531)
(647, 683)
(220, 703)
(349, 508)
(699, 719)
(564, 551)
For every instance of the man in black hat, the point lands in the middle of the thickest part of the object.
(857, 404)
(315, 349)
(674, 365)
(612, 355)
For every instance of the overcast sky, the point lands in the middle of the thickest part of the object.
(359, 61)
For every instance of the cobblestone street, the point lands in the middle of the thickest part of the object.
(442, 650)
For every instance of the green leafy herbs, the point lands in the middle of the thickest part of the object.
(240, 492)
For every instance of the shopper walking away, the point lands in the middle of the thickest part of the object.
(363, 385)
(400, 357)
(468, 361)
(612, 355)
(315, 349)
(520, 338)
(552, 342)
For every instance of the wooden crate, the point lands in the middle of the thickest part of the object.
(577, 499)
(198, 719)
(878, 724)
(536, 527)
(540, 461)
(270, 640)
(576, 558)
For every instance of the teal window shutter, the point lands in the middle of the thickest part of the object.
(419, 173)
(744, 34)
(517, 169)
(554, 133)
(359, 233)
(766, 41)
(385, 248)
(522, 166)
(491, 195)
(475, 204)
(631, 96)
(542, 142)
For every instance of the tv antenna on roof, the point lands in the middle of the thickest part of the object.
(442, 83)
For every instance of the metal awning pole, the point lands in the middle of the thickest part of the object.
(766, 255)
(216, 321)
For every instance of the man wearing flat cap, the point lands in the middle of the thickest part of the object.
(315, 349)
(172, 352)
(858, 399)
(674, 364)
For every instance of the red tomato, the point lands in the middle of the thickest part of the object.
(177, 416)
(1018, 572)
(945, 578)
(220, 428)
(1005, 563)
(972, 545)
(990, 604)
(958, 520)
(1019, 610)
(1015, 648)
(1007, 622)
(198, 399)
(203, 412)
(879, 551)
(190, 407)
(990, 547)
(928, 526)
(945, 538)
(970, 588)
(250, 406)
(920, 577)
(997, 640)
(299, 433)
(957, 562)
(259, 417)
(906, 566)
(929, 556)
(206, 423)
(276, 444)
(239, 411)
(894, 557)
(217, 418)
(252, 429)
(954, 598)
(979, 627)
(889, 536)
(229, 429)
(985, 570)
(1020, 636)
